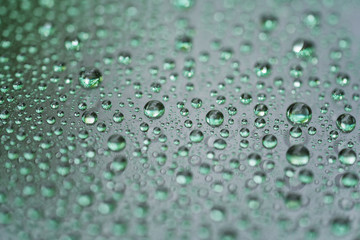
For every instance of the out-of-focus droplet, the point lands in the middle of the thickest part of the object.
(116, 143)
(90, 78)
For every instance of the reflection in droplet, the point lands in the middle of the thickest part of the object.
(299, 113)
(346, 122)
(298, 155)
(90, 78)
(154, 109)
(116, 143)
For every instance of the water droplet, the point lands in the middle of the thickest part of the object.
(299, 113)
(340, 226)
(306, 176)
(196, 136)
(262, 69)
(295, 132)
(214, 118)
(342, 79)
(254, 159)
(349, 180)
(312, 19)
(347, 156)
(116, 143)
(46, 30)
(184, 177)
(183, 4)
(298, 155)
(268, 22)
(220, 144)
(124, 58)
(183, 43)
(196, 103)
(72, 44)
(261, 110)
(303, 48)
(245, 98)
(346, 122)
(89, 118)
(269, 141)
(90, 78)
(217, 214)
(293, 201)
(118, 165)
(154, 109)
(85, 199)
(337, 94)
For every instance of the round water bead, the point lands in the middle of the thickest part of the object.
(261, 110)
(118, 164)
(340, 226)
(299, 113)
(347, 156)
(254, 159)
(196, 136)
(268, 22)
(89, 118)
(90, 78)
(303, 48)
(72, 44)
(293, 201)
(116, 143)
(184, 177)
(269, 141)
(337, 94)
(295, 132)
(306, 176)
(154, 109)
(349, 179)
(346, 122)
(298, 155)
(262, 69)
(342, 79)
(214, 118)
(183, 43)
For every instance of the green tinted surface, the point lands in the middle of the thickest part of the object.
(179, 119)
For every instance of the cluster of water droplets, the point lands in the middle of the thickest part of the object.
(177, 119)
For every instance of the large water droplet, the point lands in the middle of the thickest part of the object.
(262, 69)
(89, 118)
(340, 226)
(299, 113)
(154, 109)
(269, 141)
(196, 136)
(214, 118)
(346, 122)
(298, 155)
(116, 143)
(349, 180)
(303, 48)
(90, 78)
(184, 177)
(347, 156)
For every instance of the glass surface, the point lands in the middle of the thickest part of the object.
(179, 119)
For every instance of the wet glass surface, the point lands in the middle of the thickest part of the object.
(179, 119)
